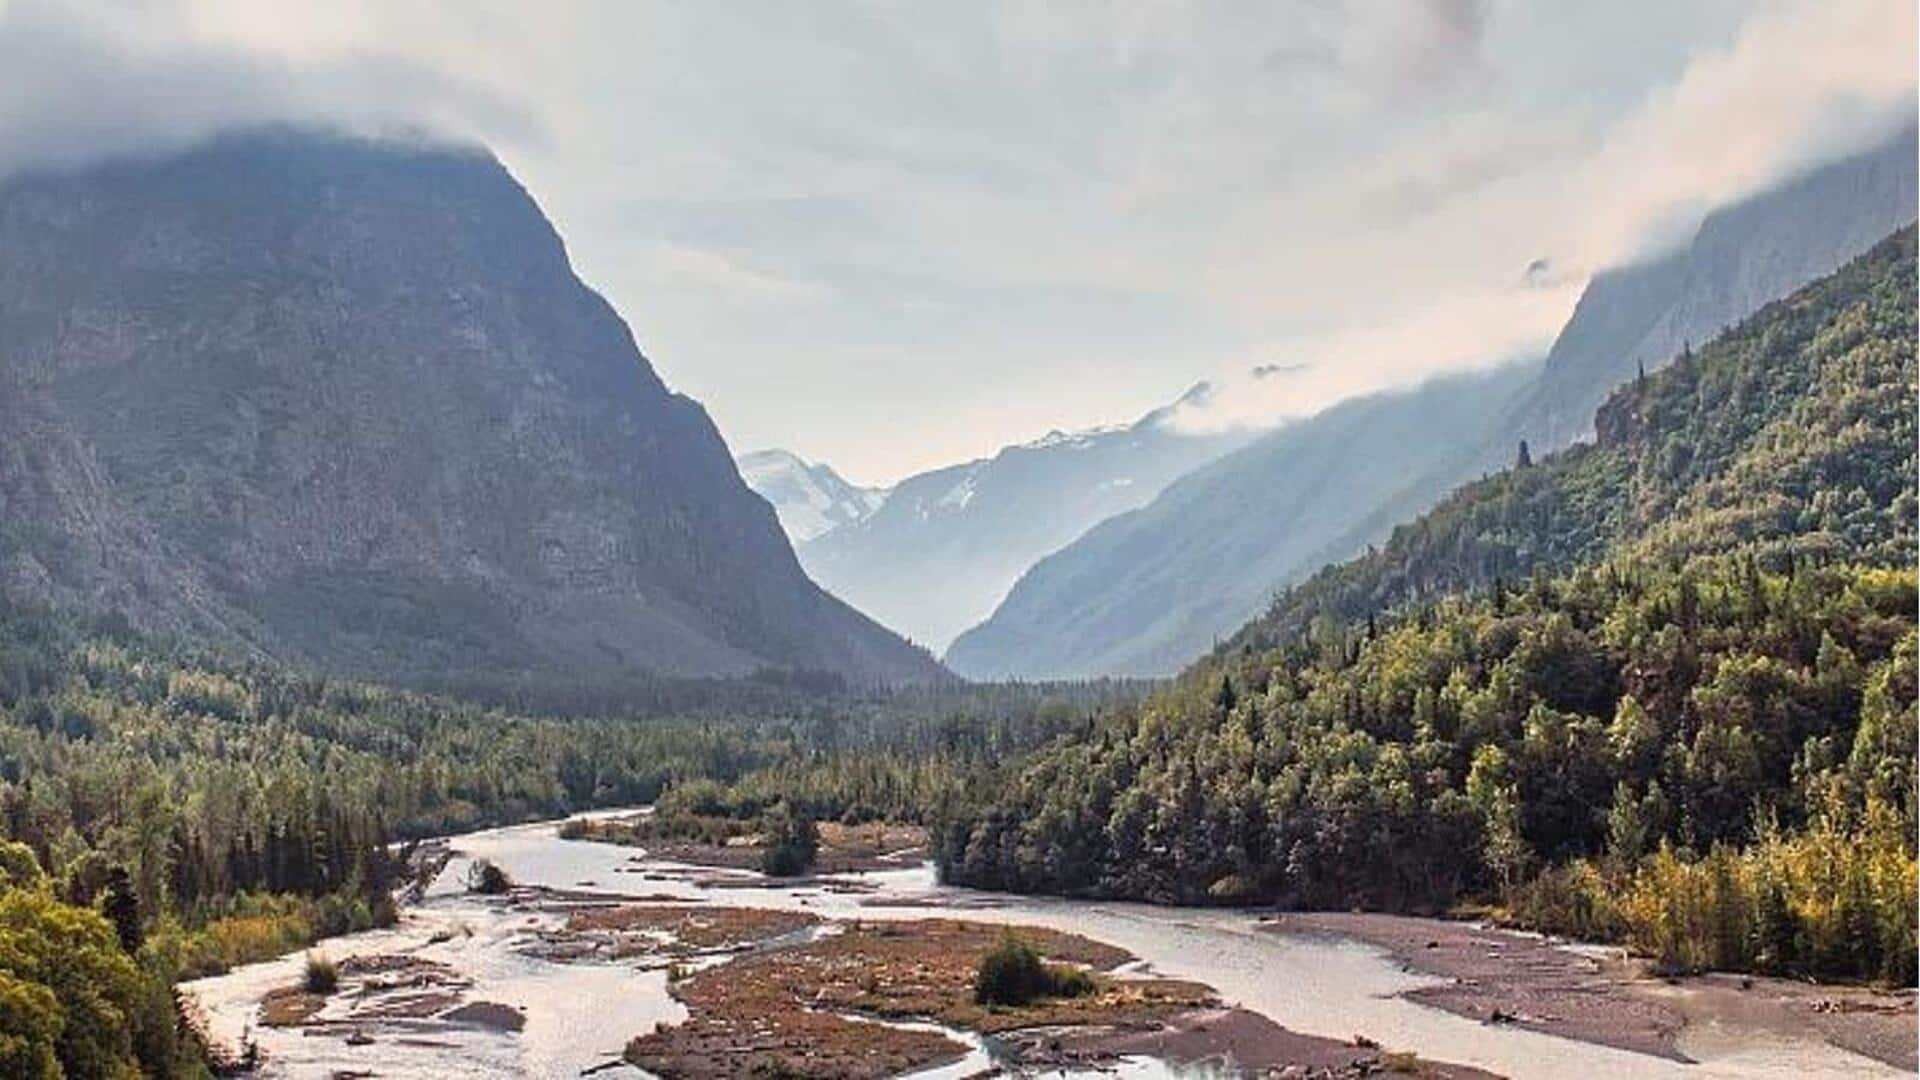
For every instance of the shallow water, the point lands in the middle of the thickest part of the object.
(580, 1015)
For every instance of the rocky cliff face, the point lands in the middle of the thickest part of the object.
(347, 401)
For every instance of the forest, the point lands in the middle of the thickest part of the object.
(1659, 689)
(170, 811)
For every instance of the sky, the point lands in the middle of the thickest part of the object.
(892, 236)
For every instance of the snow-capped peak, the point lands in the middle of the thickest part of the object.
(811, 500)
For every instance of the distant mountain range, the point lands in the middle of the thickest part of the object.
(810, 499)
(1147, 592)
(345, 402)
(943, 547)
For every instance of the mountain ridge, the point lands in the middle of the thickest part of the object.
(1136, 571)
(944, 546)
(349, 404)
(1523, 521)
(810, 498)
(1584, 688)
(1054, 621)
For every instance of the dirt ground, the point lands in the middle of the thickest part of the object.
(1500, 976)
(1249, 1042)
(818, 1009)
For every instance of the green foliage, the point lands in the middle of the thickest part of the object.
(71, 1001)
(121, 906)
(1012, 973)
(1836, 897)
(30, 1023)
(19, 867)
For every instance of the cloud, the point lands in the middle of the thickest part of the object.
(1466, 333)
(1801, 83)
(1437, 228)
(968, 224)
(85, 83)
(676, 267)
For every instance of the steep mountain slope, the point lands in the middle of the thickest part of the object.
(1742, 257)
(1687, 708)
(1791, 434)
(1145, 592)
(945, 546)
(346, 401)
(1056, 622)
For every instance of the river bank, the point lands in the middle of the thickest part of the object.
(1604, 996)
(1339, 994)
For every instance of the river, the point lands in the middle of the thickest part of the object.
(580, 1015)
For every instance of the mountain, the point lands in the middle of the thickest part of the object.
(1791, 437)
(945, 545)
(1079, 612)
(1635, 690)
(1145, 592)
(810, 499)
(1741, 257)
(345, 401)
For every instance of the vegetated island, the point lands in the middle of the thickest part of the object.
(780, 842)
(840, 1004)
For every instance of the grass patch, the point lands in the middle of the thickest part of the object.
(322, 975)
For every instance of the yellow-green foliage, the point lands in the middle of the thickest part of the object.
(225, 943)
(72, 1004)
(1838, 897)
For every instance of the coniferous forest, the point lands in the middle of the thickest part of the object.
(171, 812)
(1659, 689)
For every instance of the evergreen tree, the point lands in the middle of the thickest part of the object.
(122, 908)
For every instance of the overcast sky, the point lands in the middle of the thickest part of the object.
(891, 236)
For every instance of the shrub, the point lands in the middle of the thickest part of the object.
(1012, 974)
(322, 975)
(1068, 982)
(792, 840)
(485, 878)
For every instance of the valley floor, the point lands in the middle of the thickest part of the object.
(603, 957)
